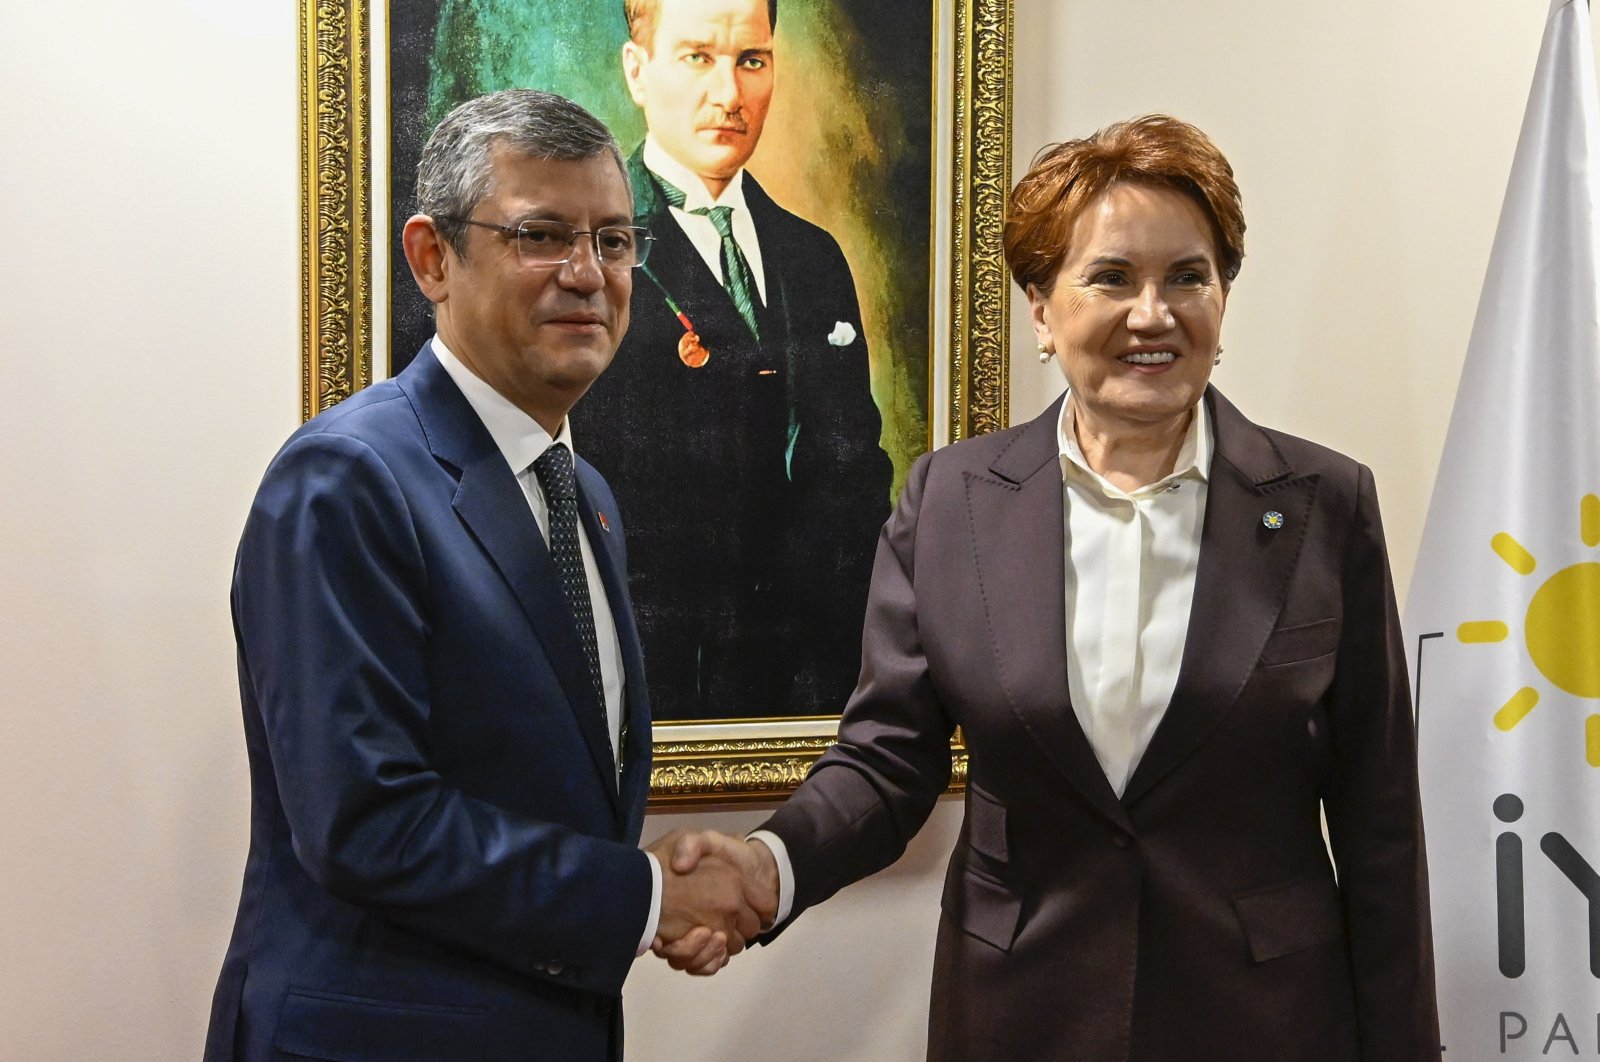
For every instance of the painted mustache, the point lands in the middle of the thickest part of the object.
(726, 122)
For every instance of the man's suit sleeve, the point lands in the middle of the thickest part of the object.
(332, 613)
(870, 794)
(1373, 808)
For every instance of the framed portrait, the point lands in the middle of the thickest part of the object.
(782, 371)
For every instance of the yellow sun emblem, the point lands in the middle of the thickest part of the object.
(1562, 628)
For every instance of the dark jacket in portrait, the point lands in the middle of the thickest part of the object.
(755, 484)
(1198, 915)
(443, 856)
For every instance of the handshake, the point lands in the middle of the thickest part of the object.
(717, 893)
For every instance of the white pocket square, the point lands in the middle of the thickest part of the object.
(843, 334)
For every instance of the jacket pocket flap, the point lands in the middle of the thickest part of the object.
(986, 825)
(340, 1028)
(983, 908)
(1304, 642)
(1282, 919)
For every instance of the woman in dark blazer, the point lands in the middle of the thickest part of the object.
(1169, 638)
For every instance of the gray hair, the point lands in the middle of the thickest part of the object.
(455, 172)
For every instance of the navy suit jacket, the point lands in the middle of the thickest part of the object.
(756, 482)
(443, 859)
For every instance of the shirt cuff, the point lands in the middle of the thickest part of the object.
(780, 853)
(652, 923)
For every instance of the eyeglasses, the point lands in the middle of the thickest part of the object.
(550, 243)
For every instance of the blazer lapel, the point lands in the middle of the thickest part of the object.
(1019, 547)
(491, 504)
(1243, 577)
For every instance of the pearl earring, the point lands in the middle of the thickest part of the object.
(1045, 355)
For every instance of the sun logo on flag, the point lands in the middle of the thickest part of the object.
(1562, 628)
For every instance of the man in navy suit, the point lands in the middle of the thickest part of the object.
(444, 698)
(737, 426)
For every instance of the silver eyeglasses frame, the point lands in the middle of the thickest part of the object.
(641, 237)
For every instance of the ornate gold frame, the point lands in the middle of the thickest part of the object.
(717, 763)
(980, 317)
(335, 202)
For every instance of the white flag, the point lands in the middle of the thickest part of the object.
(1503, 618)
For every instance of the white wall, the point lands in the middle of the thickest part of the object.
(1372, 141)
(149, 177)
(148, 174)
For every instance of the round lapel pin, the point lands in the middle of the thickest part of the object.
(1272, 520)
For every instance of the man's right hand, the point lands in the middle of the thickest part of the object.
(717, 861)
(708, 909)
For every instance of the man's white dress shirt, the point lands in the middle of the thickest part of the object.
(521, 440)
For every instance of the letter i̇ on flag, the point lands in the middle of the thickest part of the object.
(1503, 616)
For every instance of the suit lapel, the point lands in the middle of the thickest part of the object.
(777, 332)
(491, 504)
(772, 313)
(1019, 547)
(605, 543)
(692, 285)
(675, 268)
(1239, 589)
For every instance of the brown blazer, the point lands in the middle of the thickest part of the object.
(1196, 918)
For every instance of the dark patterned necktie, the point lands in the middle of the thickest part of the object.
(737, 278)
(554, 469)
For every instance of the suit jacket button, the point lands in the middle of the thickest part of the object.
(554, 969)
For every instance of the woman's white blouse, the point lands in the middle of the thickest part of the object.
(1130, 566)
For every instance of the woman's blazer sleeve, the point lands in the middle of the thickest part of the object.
(1373, 808)
(869, 795)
